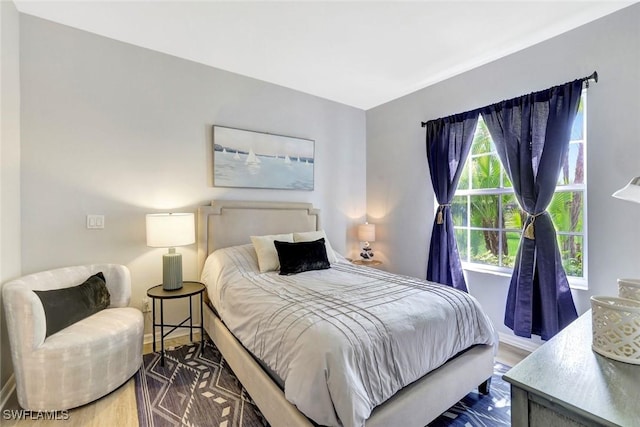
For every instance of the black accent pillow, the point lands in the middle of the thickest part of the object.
(302, 256)
(64, 307)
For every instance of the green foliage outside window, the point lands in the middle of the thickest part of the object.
(488, 219)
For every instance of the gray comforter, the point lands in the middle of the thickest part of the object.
(345, 339)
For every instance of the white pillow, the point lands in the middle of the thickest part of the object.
(266, 250)
(310, 236)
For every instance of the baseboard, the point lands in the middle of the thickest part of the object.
(7, 390)
(518, 342)
(148, 338)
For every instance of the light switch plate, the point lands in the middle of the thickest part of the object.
(95, 221)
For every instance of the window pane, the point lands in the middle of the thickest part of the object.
(512, 215)
(566, 210)
(510, 248)
(484, 246)
(577, 131)
(572, 171)
(506, 182)
(485, 171)
(482, 142)
(488, 227)
(571, 252)
(459, 211)
(461, 240)
(463, 184)
(484, 211)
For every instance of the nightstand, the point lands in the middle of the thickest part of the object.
(372, 263)
(189, 289)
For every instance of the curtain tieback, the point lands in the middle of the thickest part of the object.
(439, 216)
(529, 231)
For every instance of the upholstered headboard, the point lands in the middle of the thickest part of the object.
(228, 223)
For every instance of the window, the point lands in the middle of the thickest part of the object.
(488, 220)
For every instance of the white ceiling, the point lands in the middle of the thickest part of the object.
(361, 53)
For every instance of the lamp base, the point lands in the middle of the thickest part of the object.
(171, 271)
(367, 253)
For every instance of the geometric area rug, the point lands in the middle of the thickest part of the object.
(196, 389)
(192, 389)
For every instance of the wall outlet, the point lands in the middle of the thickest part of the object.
(146, 305)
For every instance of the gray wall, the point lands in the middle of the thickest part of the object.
(113, 129)
(399, 194)
(9, 165)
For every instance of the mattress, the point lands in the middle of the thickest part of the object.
(346, 339)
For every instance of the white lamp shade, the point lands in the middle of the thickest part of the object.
(630, 192)
(167, 230)
(367, 232)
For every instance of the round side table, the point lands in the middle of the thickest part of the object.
(188, 289)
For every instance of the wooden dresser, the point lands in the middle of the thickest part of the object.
(565, 383)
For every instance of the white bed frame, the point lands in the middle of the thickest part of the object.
(229, 223)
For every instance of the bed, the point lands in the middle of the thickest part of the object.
(227, 225)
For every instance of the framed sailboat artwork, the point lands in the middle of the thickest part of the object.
(248, 159)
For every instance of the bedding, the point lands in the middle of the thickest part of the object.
(345, 339)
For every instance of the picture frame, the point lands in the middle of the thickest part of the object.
(250, 159)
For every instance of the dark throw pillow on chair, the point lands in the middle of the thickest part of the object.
(301, 256)
(64, 307)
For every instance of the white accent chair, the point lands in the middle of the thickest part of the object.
(83, 361)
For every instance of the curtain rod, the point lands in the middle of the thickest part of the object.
(593, 76)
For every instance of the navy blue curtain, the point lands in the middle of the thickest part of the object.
(448, 144)
(531, 135)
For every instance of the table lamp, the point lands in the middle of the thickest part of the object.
(366, 234)
(168, 230)
(630, 192)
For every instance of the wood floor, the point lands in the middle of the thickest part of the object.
(119, 407)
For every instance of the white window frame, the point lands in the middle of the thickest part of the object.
(574, 282)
